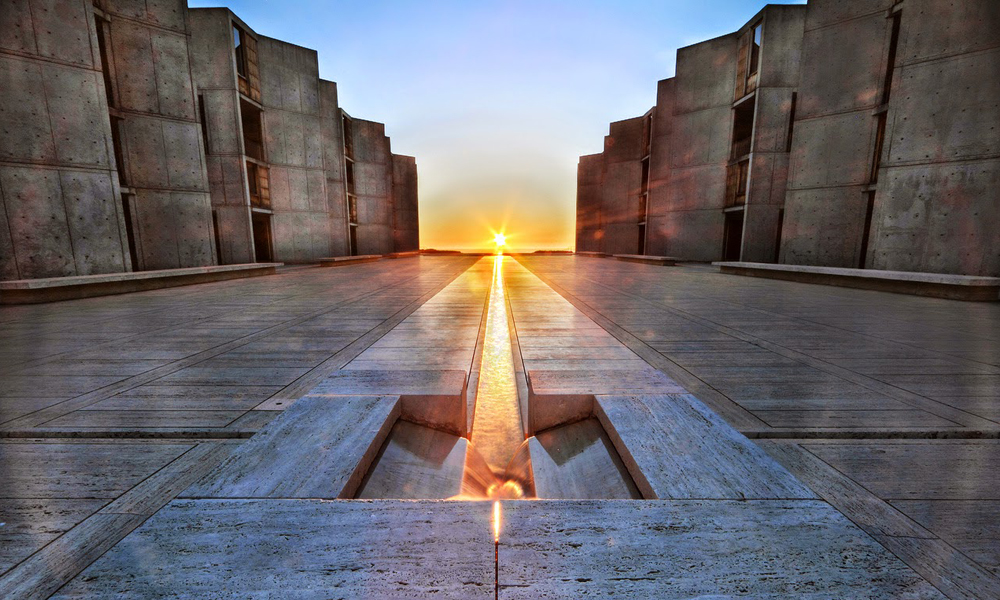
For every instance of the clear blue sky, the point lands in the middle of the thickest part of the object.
(497, 100)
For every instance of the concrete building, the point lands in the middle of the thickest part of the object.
(832, 134)
(144, 136)
(896, 152)
(612, 211)
(405, 220)
(298, 179)
(101, 164)
(689, 172)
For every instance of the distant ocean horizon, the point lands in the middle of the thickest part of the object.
(493, 249)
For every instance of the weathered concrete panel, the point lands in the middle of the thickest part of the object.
(938, 218)
(16, 32)
(781, 50)
(844, 65)
(374, 239)
(701, 138)
(147, 165)
(958, 27)
(212, 64)
(24, 119)
(590, 177)
(823, 226)
(92, 215)
(663, 125)
(77, 111)
(406, 231)
(62, 30)
(235, 238)
(831, 151)
(8, 262)
(822, 13)
(133, 52)
(175, 92)
(706, 73)
(691, 234)
(184, 164)
(37, 220)
(946, 109)
(169, 14)
(697, 188)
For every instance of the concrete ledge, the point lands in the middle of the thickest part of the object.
(937, 285)
(663, 261)
(434, 398)
(406, 254)
(593, 254)
(340, 261)
(52, 289)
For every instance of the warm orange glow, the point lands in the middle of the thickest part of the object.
(496, 521)
(499, 239)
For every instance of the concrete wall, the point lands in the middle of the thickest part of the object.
(589, 181)
(623, 151)
(406, 224)
(781, 52)
(691, 210)
(214, 70)
(936, 205)
(331, 127)
(59, 180)
(659, 232)
(57, 170)
(373, 185)
(164, 158)
(843, 55)
(301, 222)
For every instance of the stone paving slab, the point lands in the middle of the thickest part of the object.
(696, 549)
(30, 523)
(320, 447)
(308, 549)
(301, 549)
(677, 448)
(79, 470)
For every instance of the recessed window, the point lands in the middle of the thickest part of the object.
(754, 64)
(240, 50)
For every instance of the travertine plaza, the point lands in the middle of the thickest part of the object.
(347, 416)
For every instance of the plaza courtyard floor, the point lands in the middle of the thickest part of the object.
(339, 432)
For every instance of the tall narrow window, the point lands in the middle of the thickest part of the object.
(203, 117)
(117, 130)
(754, 65)
(348, 136)
(866, 233)
(791, 122)
(130, 231)
(103, 28)
(890, 67)
(240, 50)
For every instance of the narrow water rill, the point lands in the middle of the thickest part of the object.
(496, 425)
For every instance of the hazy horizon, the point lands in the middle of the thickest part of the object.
(496, 102)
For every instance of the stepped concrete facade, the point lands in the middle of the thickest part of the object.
(857, 135)
(152, 136)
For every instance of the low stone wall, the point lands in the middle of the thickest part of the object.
(937, 285)
(52, 289)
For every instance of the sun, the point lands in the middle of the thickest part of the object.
(499, 239)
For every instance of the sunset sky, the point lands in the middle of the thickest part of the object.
(497, 100)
